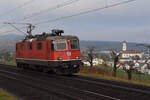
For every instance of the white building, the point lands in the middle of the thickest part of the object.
(129, 53)
(144, 68)
(96, 61)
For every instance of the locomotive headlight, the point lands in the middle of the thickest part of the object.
(77, 57)
(59, 58)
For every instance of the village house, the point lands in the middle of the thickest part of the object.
(96, 61)
(144, 68)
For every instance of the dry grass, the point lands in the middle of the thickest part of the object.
(112, 78)
(6, 96)
(8, 62)
(103, 70)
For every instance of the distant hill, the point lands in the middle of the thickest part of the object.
(7, 42)
(10, 38)
(103, 45)
(109, 45)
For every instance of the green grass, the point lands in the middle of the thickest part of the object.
(6, 96)
(142, 78)
(136, 77)
(105, 72)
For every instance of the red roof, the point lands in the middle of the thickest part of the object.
(132, 51)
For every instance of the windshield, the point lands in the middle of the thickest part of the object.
(60, 45)
(74, 44)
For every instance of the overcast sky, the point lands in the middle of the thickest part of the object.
(129, 22)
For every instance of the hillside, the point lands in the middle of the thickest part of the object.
(7, 42)
(109, 45)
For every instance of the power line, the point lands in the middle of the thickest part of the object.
(85, 12)
(20, 6)
(17, 28)
(16, 23)
(11, 30)
(66, 3)
(80, 13)
(51, 9)
(10, 11)
(29, 30)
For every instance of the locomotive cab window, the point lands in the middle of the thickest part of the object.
(30, 46)
(74, 44)
(22, 46)
(60, 45)
(39, 46)
(52, 45)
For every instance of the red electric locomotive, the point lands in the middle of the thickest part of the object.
(47, 52)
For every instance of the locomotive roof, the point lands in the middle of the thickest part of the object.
(61, 37)
(48, 37)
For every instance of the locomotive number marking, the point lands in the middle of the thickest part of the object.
(68, 53)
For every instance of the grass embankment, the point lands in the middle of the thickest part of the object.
(8, 62)
(105, 72)
(6, 96)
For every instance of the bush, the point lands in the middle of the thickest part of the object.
(101, 69)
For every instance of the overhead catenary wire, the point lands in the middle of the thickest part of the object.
(16, 8)
(66, 3)
(80, 13)
(16, 23)
(11, 30)
(25, 33)
(63, 4)
(18, 29)
(15, 27)
(13, 9)
(85, 12)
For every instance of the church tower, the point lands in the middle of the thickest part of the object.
(124, 48)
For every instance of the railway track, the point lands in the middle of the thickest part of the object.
(52, 87)
(75, 87)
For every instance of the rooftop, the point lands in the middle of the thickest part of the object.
(131, 52)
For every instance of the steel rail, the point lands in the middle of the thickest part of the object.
(104, 84)
(112, 85)
(72, 88)
(36, 87)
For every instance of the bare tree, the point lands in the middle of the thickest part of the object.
(115, 56)
(91, 55)
(128, 67)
